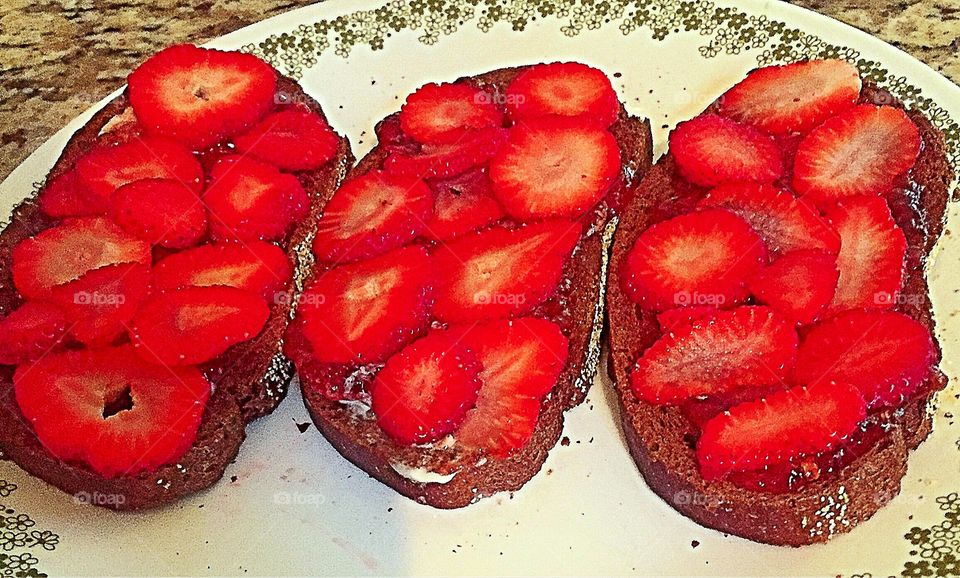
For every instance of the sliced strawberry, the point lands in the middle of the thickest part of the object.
(462, 204)
(366, 311)
(101, 303)
(554, 167)
(65, 196)
(747, 346)
(711, 150)
(440, 161)
(160, 211)
(682, 317)
(701, 258)
(249, 200)
(886, 355)
(31, 331)
(443, 113)
(501, 272)
(784, 222)
(871, 254)
(110, 410)
(371, 214)
(199, 96)
(64, 253)
(257, 267)
(562, 89)
(292, 139)
(862, 151)
(799, 285)
(793, 97)
(196, 324)
(785, 424)
(424, 391)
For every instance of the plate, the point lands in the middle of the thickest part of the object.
(290, 505)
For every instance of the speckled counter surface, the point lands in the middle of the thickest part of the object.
(57, 57)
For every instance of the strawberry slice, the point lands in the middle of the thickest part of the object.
(249, 200)
(746, 346)
(462, 204)
(440, 161)
(196, 324)
(701, 258)
(443, 113)
(563, 89)
(101, 303)
(554, 167)
(785, 424)
(366, 311)
(886, 355)
(871, 255)
(862, 151)
(65, 196)
(711, 150)
(257, 267)
(501, 272)
(784, 222)
(198, 96)
(31, 331)
(64, 253)
(799, 284)
(424, 391)
(161, 211)
(292, 139)
(110, 410)
(522, 360)
(793, 97)
(371, 214)
(682, 317)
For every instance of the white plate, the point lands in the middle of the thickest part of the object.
(296, 507)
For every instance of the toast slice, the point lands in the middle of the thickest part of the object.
(446, 474)
(663, 441)
(248, 380)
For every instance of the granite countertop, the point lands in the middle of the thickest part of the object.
(58, 57)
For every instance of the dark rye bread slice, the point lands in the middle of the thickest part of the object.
(660, 438)
(250, 379)
(355, 433)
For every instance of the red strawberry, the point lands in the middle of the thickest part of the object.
(886, 355)
(424, 391)
(862, 151)
(521, 360)
(711, 150)
(554, 167)
(371, 214)
(199, 96)
(257, 267)
(364, 312)
(563, 89)
(65, 252)
(793, 97)
(248, 200)
(160, 211)
(110, 410)
(871, 254)
(699, 258)
(65, 196)
(442, 113)
(682, 317)
(784, 222)
(196, 324)
(747, 346)
(31, 331)
(292, 139)
(440, 161)
(101, 303)
(799, 285)
(462, 204)
(785, 424)
(501, 272)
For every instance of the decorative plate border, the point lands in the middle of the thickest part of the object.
(21, 540)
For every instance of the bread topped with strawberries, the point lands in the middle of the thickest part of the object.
(145, 290)
(771, 333)
(455, 309)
